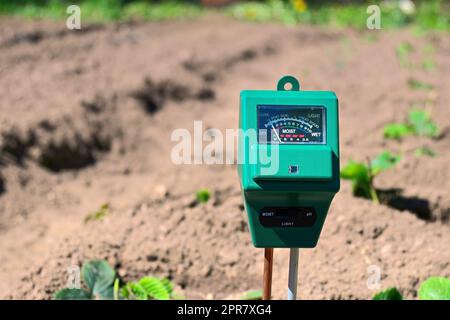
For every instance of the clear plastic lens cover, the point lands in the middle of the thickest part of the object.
(279, 124)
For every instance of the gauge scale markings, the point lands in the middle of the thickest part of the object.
(291, 124)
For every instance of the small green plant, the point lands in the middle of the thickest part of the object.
(397, 131)
(424, 152)
(101, 282)
(98, 277)
(203, 195)
(419, 85)
(422, 124)
(97, 215)
(148, 288)
(362, 175)
(403, 52)
(429, 65)
(433, 288)
(419, 123)
(252, 295)
(388, 294)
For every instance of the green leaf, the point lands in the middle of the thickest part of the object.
(148, 288)
(396, 131)
(136, 291)
(424, 151)
(388, 294)
(72, 294)
(384, 161)
(97, 215)
(116, 289)
(435, 288)
(418, 116)
(429, 65)
(404, 48)
(355, 170)
(99, 277)
(155, 288)
(252, 295)
(429, 129)
(203, 195)
(422, 124)
(362, 176)
(168, 285)
(358, 173)
(419, 85)
(124, 292)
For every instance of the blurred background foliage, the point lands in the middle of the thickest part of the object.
(424, 15)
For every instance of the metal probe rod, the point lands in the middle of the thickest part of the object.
(267, 275)
(293, 273)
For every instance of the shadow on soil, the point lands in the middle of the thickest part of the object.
(2, 186)
(153, 95)
(394, 198)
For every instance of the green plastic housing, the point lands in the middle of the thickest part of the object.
(315, 183)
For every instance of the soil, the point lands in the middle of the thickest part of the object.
(86, 119)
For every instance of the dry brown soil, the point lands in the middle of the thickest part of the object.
(86, 118)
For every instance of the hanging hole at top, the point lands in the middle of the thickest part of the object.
(288, 83)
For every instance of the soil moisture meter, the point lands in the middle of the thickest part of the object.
(288, 163)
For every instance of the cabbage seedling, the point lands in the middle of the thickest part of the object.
(362, 175)
(422, 124)
(419, 123)
(397, 131)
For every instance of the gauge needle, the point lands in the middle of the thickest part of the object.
(273, 128)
